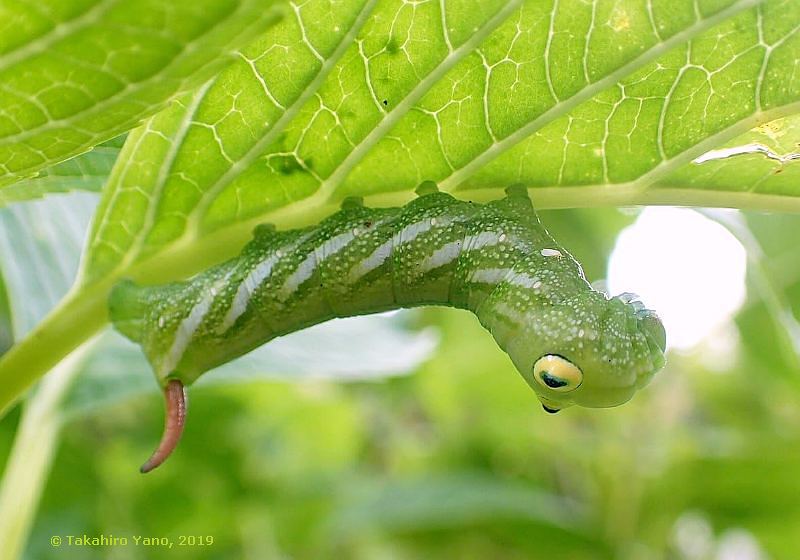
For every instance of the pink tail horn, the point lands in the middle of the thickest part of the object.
(174, 420)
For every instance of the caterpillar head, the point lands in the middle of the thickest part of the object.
(590, 350)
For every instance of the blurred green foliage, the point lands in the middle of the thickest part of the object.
(456, 460)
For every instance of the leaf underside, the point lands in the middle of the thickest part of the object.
(79, 72)
(575, 100)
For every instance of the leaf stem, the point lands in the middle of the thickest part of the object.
(73, 321)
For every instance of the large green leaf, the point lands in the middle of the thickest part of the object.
(584, 102)
(658, 118)
(74, 73)
(605, 95)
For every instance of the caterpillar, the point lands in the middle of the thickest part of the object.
(572, 344)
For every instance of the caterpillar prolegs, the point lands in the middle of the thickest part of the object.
(572, 344)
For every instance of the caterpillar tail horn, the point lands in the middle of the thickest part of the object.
(174, 420)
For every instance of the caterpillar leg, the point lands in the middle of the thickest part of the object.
(174, 420)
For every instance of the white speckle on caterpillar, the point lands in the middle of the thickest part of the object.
(161, 322)
(551, 253)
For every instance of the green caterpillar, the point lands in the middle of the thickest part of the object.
(572, 344)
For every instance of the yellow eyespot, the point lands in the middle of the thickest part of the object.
(557, 373)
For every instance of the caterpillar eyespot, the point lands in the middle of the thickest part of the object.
(572, 344)
(557, 374)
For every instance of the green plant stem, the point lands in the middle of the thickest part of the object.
(32, 456)
(79, 316)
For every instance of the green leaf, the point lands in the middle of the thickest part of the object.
(74, 73)
(628, 142)
(475, 111)
(86, 172)
(190, 152)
